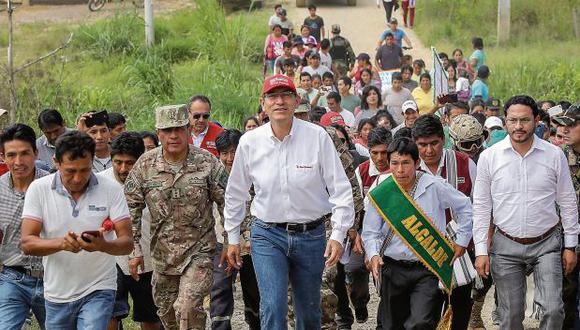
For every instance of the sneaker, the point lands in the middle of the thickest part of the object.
(361, 314)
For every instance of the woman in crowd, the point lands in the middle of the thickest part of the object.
(418, 69)
(383, 118)
(407, 73)
(451, 76)
(461, 64)
(251, 123)
(307, 39)
(273, 46)
(477, 58)
(364, 126)
(363, 61)
(366, 79)
(423, 95)
(371, 103)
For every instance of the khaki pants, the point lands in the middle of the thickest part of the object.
(179, 298)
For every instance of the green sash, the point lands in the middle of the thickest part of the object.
(415, 229)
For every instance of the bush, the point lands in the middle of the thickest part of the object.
(152, 74)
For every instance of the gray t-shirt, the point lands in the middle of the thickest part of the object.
(389, 57)
(393, 101)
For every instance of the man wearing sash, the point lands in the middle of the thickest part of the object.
(411, 205)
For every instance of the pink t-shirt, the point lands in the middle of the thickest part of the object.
(274, 47)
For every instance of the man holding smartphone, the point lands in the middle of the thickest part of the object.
(80, 277)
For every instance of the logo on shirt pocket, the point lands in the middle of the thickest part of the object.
(95, 208)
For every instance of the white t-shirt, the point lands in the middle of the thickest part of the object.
(123, 261)
(348, 117)
(325, 59)
(70, 276)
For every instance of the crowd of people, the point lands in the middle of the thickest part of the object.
(340, 182)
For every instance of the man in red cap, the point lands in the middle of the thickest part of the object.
(305, 183)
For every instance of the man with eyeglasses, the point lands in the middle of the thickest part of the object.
(520, 181)
(203, 131)
(458, 170)
(305, 182)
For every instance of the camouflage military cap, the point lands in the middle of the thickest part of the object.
(465, 128)
(570, 117)
(169, 116)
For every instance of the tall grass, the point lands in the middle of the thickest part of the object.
(541, 57)
(107, 66)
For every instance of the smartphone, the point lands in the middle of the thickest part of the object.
(94, 233)
(97, 118)
(447, 98)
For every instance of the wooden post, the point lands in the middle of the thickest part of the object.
(149, 25)
(11, 82)
(503, 21)
(576, 21)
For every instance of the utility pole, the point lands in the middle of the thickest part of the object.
(149, 25)
(503, 21)
(11, 83)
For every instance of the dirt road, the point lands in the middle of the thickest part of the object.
(361, 25)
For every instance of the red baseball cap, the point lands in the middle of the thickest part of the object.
(277, 81)
(332, 117)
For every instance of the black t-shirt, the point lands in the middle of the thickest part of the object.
(315, 25)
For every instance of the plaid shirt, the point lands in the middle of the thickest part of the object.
(12, 202)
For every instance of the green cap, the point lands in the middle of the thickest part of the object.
(169, 116)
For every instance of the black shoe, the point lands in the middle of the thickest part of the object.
(361, 314)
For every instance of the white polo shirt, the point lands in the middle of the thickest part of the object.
(70, 276)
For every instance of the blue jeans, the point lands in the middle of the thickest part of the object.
(280, 257)
(91, 312)
(19, 293)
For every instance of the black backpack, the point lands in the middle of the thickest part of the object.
(338, 49)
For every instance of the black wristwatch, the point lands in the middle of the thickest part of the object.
(573, 249)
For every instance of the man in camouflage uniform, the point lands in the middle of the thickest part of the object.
(343, 57)
(179, 184)
(330, 300)
(571, 149)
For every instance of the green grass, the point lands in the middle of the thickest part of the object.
(108, 66)
(540, 59)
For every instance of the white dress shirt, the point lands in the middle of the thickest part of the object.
(298, 180)
(472, 168)
(433, 195)
(521, 193)
(197, 140)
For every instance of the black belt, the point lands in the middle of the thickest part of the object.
(300, 227)
(403, 263)
(38, 273)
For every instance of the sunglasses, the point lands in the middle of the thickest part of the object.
(469, 146)
(199, 115)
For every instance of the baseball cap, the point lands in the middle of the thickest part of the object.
(335, 28)
(297, 41)
(303, 107)
(394, 21)
(363, 56)
(570, 116)
(409, 105)
(493, 104)
(282, 12)
(493, 121)
(332, 117)
(315, 55)
(169, 116)
(277, 81)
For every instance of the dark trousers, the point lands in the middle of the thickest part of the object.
(389, 9)
(358, 281)
(250, 293)
(461, 303)
(410, 296)
(570, 298)
(222, 294)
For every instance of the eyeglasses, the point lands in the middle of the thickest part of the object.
(523, 121)
(199, 115)
(284, 95)
(468, 146)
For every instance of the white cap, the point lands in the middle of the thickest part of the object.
(493, 121)
(3, 112)
(409, 104)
